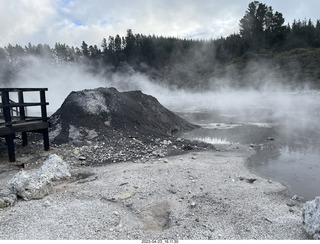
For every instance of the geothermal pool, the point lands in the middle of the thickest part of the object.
(285, 138)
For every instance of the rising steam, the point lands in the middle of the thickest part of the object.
(270, 101)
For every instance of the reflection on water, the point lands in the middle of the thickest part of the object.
(299, 168)
(211, 140)
(291, 157)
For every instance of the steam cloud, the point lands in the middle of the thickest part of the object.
(273, 101)
(270, 100)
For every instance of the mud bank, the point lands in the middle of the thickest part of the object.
(197, 195)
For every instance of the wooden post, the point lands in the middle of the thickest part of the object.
(10, 144)
(7, 117)
(22, 117)
(6, 110)
(43, 105)
(45, 132)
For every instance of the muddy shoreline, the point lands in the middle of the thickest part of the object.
(196, 194)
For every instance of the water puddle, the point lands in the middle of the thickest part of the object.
(299, 168)
(285, 152)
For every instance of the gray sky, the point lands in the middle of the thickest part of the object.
(72, 21)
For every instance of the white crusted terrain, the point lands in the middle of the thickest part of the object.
(198, 195)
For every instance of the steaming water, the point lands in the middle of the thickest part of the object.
(286, 141)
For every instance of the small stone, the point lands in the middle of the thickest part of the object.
(251, 180)
(291, 204)
(78, 143)
(47, 204)
(295, 197)
(82, 158)
(194, 157)
(193, 204)
(166, 161)
(173, 190)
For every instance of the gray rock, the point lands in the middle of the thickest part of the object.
(7, 199)
(158, 153)
(311, 218)
(38, 184)
(78, 143)
(47, 204)
(55, 168)
(30, 186)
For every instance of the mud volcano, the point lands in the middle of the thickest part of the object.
(107, 114)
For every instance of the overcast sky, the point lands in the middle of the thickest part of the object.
(74, 21)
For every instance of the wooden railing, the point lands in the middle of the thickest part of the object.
(13, 117)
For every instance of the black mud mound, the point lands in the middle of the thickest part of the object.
(107, 113)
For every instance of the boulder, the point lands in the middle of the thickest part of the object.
(38, 184)
(55, 168)
(30, 185)
(311, 217)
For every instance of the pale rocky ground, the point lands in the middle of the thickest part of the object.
(200, 194)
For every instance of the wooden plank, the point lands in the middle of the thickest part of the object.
(22, 89)
(27, 120)
(12, 105)
(26, 127)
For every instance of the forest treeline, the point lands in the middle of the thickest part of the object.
(263, 39)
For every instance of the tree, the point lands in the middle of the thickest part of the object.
(130, 48)
(251, 25)
(94, 52)
(260, 27)
(84, 49)
(15, 54)
(117, 44)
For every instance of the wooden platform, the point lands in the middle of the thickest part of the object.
(23, 127)
(13, 118)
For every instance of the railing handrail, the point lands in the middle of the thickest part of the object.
(7, 106)
(21, 122)
(22, 89)
(14, 104)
